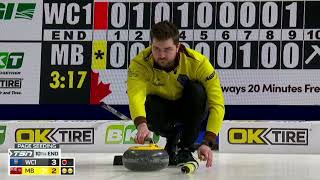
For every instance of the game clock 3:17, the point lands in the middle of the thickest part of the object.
(73, 79)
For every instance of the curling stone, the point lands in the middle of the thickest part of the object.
(145, 158)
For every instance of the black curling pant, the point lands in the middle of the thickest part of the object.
(180, 119)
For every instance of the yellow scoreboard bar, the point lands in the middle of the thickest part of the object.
(41, 170)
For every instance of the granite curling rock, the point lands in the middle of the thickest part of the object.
(145, 158)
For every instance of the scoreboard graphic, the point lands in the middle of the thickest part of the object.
(38, 159)
(78, 52)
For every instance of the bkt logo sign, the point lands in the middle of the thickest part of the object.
(10, 11)
(123, 134)
(11, 60)
(268, 136)
(57, 135)
(2, 134)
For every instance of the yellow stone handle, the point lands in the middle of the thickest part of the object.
(148, 147)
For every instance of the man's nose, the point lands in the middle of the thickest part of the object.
(162, 55)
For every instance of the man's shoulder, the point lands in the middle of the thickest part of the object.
(194, 55)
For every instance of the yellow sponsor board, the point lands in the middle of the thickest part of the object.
(43, 170)
(246, 136)
(33, 135)
(55, 135)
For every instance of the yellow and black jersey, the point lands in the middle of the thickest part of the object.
(144, 79)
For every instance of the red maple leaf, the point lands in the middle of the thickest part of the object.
(99, 90)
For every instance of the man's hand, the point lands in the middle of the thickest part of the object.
(142, 134)
(205, 154)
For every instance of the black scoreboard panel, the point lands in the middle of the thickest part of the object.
(312, 35)
(233, 34)
(66, 52)
(86, 46)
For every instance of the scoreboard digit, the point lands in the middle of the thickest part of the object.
(117, 35)
(161, 11)
(226, 35)
(204, 28)
(139, 28)
(292, 35)
(270, 35)
(248, 35)
(183, 18)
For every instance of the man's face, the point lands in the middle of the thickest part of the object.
(164, 52)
